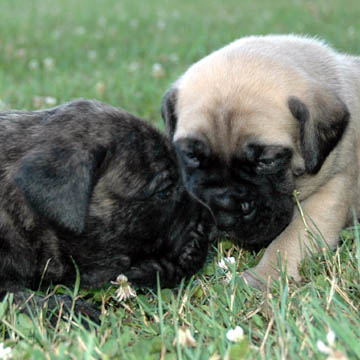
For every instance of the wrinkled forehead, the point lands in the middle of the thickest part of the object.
(228, 130)
(232, 107)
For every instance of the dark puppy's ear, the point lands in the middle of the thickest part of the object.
(168, 111)
(322, 125)
(57, 183)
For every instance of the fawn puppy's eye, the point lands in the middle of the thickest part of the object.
(190, 158)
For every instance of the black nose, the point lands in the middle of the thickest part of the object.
(228, 199)
(225, 221)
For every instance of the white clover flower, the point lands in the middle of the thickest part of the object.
(49, 100)
(56, 34)
(3, 105)
(80, 30)
(112, 53)
(157, 71)
(222, 264)
(235, 335)
(100, 88)
(21, 53)
(49, 63)
(38, 102)
(225, 262)
(134, 23)
(102, 21)
(185, 338)
(351, 31)
(5, 352)
(330, 337)
(134, 66)
(33, 64)
(124, 290)
(176, 14)
(330, 349)
(161, 24)
(322, 347)
(174, 58)
(92, 54)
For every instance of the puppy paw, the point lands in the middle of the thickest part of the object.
(254, 280)
(262, 277)
(145, 273)
(31, 304)
(193, 256)
(81, 307)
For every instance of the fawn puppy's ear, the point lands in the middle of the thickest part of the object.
(323, 122)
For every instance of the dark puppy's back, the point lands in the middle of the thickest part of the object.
(96, 123)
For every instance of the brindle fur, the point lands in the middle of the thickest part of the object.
(88, 185)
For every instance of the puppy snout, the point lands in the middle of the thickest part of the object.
(225, 221)
(234, 209)
(229, 200)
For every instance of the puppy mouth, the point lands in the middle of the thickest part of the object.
(227, 219)
(248, 210)
(254, 225)
(250, 216)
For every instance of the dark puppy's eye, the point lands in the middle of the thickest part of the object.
(165, 192)
(162, 186)
(163, 195)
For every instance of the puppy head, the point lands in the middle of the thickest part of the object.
(108, 179)
(249, 195)
(141, 195)
(242, 139)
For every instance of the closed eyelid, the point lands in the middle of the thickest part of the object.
(162, 177)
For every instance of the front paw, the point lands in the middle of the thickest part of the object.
(193, 257)
(30, 304)
(261, 277)
(254, 279)
(145, 273)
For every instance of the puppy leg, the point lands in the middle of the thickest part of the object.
(189, 260)
(30, 304)
(144, 273)
(328, 209)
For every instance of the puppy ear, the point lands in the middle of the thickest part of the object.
(57, 183)
(322, 125)
(168, 111)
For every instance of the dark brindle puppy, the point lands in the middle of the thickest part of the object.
(90, 184)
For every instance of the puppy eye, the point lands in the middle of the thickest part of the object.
(191, 158)
(163, 195)
(165, 192)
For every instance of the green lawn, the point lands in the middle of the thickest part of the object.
(127, 53)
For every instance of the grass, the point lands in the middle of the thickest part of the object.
(53, 51)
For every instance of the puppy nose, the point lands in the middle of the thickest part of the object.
(225, 221)
(229, 199)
